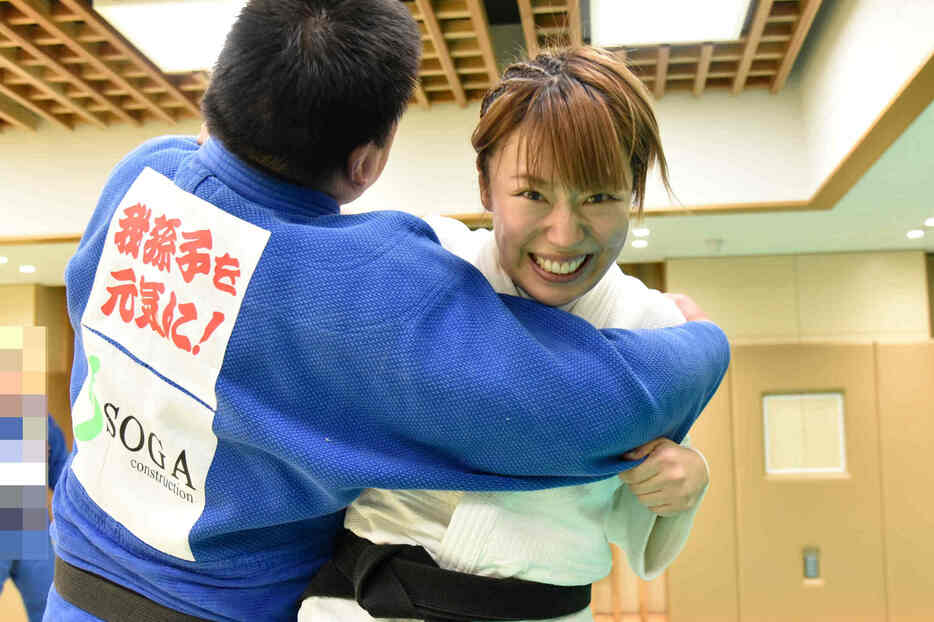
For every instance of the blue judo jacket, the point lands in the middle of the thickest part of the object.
(247, 360)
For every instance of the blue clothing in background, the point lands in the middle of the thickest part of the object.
(33, 577)
(58, 455)
(363, 355)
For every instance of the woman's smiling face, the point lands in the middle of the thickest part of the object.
(555, 242)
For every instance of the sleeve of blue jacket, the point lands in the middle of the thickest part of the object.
(547, 395)
(472, 384)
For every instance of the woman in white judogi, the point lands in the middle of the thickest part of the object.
(563, 144)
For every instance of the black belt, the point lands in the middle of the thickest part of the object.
(107, 600)
(403, 581)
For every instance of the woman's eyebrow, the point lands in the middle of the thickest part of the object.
(532, 180)
(538, 181)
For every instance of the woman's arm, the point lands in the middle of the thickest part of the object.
(654, 508)
(652, 518)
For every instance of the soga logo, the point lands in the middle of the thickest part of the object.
(88, 430)
(132, 436)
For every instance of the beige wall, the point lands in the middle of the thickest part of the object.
(871, 524)
(51, 312)
(930, 262)
(703, 135)
(17, 305)
(828, 297)
(847, 297)
(773, 304)
(906, 426)
(838, 56)
(703, 581)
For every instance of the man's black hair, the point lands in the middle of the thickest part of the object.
(301, 83)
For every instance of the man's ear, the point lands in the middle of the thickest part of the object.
(366, 162)
(363, 166)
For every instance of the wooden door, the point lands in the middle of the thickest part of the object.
(906, 408)
(779, 516)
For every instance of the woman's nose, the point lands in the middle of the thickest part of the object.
(564, 227)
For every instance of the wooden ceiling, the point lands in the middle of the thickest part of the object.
(763, 58)
(63, 64)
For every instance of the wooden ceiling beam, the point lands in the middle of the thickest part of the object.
(703, 66)
(552, 26)
(794, 47)
(481, 24)
(722, 52)
(777, 31)
(661, 70)
(444, 9)
(25, 102)
(82, 9)
(459, 48)
(33, 75)
(753, 37)
(68, 32)
(784, 12)
(441, 47)
(528, 27)
(84, 32)
(15, 114)
(458, 29)
(421, 97)
(574, 23)
(17, 35)
(550, 6)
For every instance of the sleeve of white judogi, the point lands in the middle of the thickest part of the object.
(650, 542)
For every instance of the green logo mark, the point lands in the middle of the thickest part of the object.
(88, 430)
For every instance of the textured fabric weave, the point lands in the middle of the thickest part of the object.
(364, 355)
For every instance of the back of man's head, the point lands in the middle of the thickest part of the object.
(301, 83)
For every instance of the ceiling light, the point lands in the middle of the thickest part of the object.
(27, 269)
(3, 260)
(615, 23)
(914, 234)
(197, 29)
(929, 222)
(640, 243)
(641, 232)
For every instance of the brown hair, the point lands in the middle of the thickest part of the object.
(583, 108)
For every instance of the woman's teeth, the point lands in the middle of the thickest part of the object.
(560, 267)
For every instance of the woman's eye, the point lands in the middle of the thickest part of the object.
(531, 195)
(600, 197)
